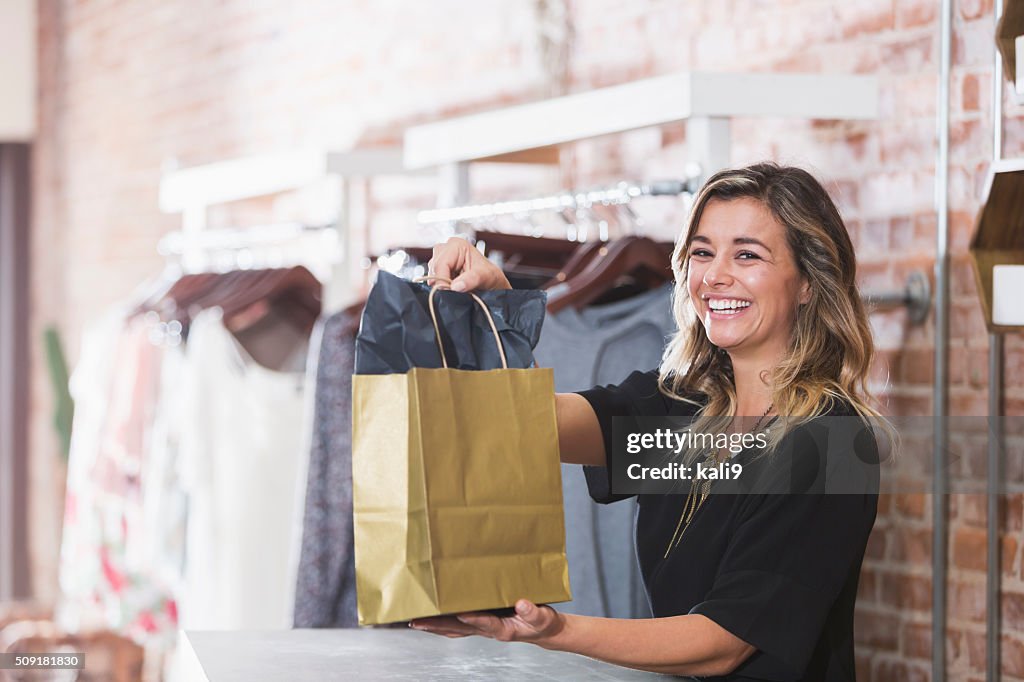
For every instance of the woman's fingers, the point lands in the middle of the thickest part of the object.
(457, 260)
(487, 625)
(447, 259)
(467, 281)
(541, 621)
(450, 626)
(529, 624)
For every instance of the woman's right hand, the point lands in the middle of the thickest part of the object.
(467, 268)
(579, 433)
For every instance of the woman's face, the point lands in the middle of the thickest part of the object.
(739, 260)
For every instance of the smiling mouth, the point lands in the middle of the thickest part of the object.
(730, 311)
(725, 313)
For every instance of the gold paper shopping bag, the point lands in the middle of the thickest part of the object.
(457, 491)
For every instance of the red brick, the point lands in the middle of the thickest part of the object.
(1012, 611)
(877, 542)
(962, 277)
(909, 54)
(925, 225)
(863, 663)
(962, 223)
(969, 549)
(1013, 370)
(911, 405)
(1014, 407)
(912, 546)
(917, 367)
(858, 18)
(1013, 470)
(973, 9)
(965, 137)
(972, 509)
(917, 640)
(972, 44)
(967, 403)
(1008, 554)
(867, 588)
(877, 630)
(875, 235)
(899, 671)
(957, 369)
(966, 601)
(972, 452)
(954, 643)
(977, 369)
(976, 649)
(906, 592)
(910, 505)
(913, 13)
(971, 92)
(884, 503)
(1011, 651)
(901, 233)
(914, 98)
(1013, 513)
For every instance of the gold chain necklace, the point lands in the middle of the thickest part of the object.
(692, 504)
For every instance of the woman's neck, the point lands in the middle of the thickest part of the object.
(753, 393)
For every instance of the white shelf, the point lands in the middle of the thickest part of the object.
(505, 133)
(255, 176)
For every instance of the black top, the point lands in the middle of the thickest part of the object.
(779, 571)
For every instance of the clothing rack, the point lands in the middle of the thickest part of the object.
(190, 192)
(259, 246)
(180, 242)
(617, 195)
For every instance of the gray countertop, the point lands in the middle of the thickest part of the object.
(381, 654)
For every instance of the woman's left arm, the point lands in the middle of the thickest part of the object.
(679, 645)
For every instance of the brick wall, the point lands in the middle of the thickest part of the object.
(128, 88)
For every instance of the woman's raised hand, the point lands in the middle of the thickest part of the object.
(467, 268)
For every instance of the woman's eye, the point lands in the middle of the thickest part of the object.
(700, 252)
(748, 253)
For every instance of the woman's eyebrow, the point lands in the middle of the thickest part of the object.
(737, 240)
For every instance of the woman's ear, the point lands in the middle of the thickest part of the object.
(805, 292)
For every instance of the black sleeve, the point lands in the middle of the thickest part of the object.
(788, 559)
(638, 395)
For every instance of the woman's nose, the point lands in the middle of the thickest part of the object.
(716, 273)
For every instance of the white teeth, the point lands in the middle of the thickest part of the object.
(727, 304)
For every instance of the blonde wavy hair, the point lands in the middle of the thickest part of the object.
(831, 347)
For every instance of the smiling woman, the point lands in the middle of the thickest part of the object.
(770, 322)
(740, 271)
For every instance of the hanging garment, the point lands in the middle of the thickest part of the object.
(601, 345)
(325, 587)
(239, 460)
(90, 385)
(164, 503)
(106, 579)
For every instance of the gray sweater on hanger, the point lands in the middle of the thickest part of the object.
(597, 346)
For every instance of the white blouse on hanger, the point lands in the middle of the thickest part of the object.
(240, 462)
